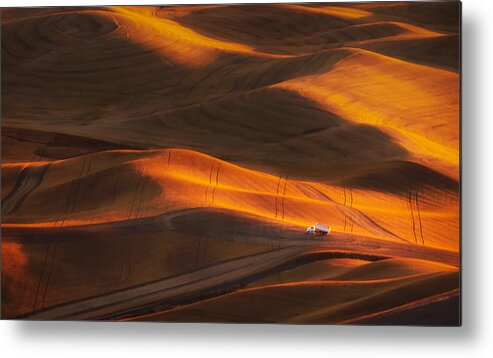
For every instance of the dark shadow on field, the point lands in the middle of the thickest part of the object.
(43, 145)
(80, 333)
(272, 29)
(276, 131)
(441, 313)
(297, 31)
(434, 15)
(399, 177)
(119, 94)
(89, 87)
(75, 68)
(439, 52)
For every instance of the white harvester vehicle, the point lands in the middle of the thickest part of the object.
(318, 229)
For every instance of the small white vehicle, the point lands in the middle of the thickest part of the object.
(318, 229)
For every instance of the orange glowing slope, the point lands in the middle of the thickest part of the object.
(133, 185)
(416, 104)
(117, 207)
(163, 163)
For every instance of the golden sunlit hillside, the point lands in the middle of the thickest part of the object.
(163, 163)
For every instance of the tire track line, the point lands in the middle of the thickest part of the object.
(169, 157)
(48, 280)
(206, 203)
(277, 195)
(217, 182)
(410, 196)
(141, 195)
(116, 182)
(136, 190)
(89, 167)
(74, 189)
(419, 216)
(284, 195)
(345, 201)
(355, 215)
(41, 277)
(351, 205)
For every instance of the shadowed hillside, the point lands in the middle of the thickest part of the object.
(163, 163)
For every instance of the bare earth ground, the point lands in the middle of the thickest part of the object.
(163, 163)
